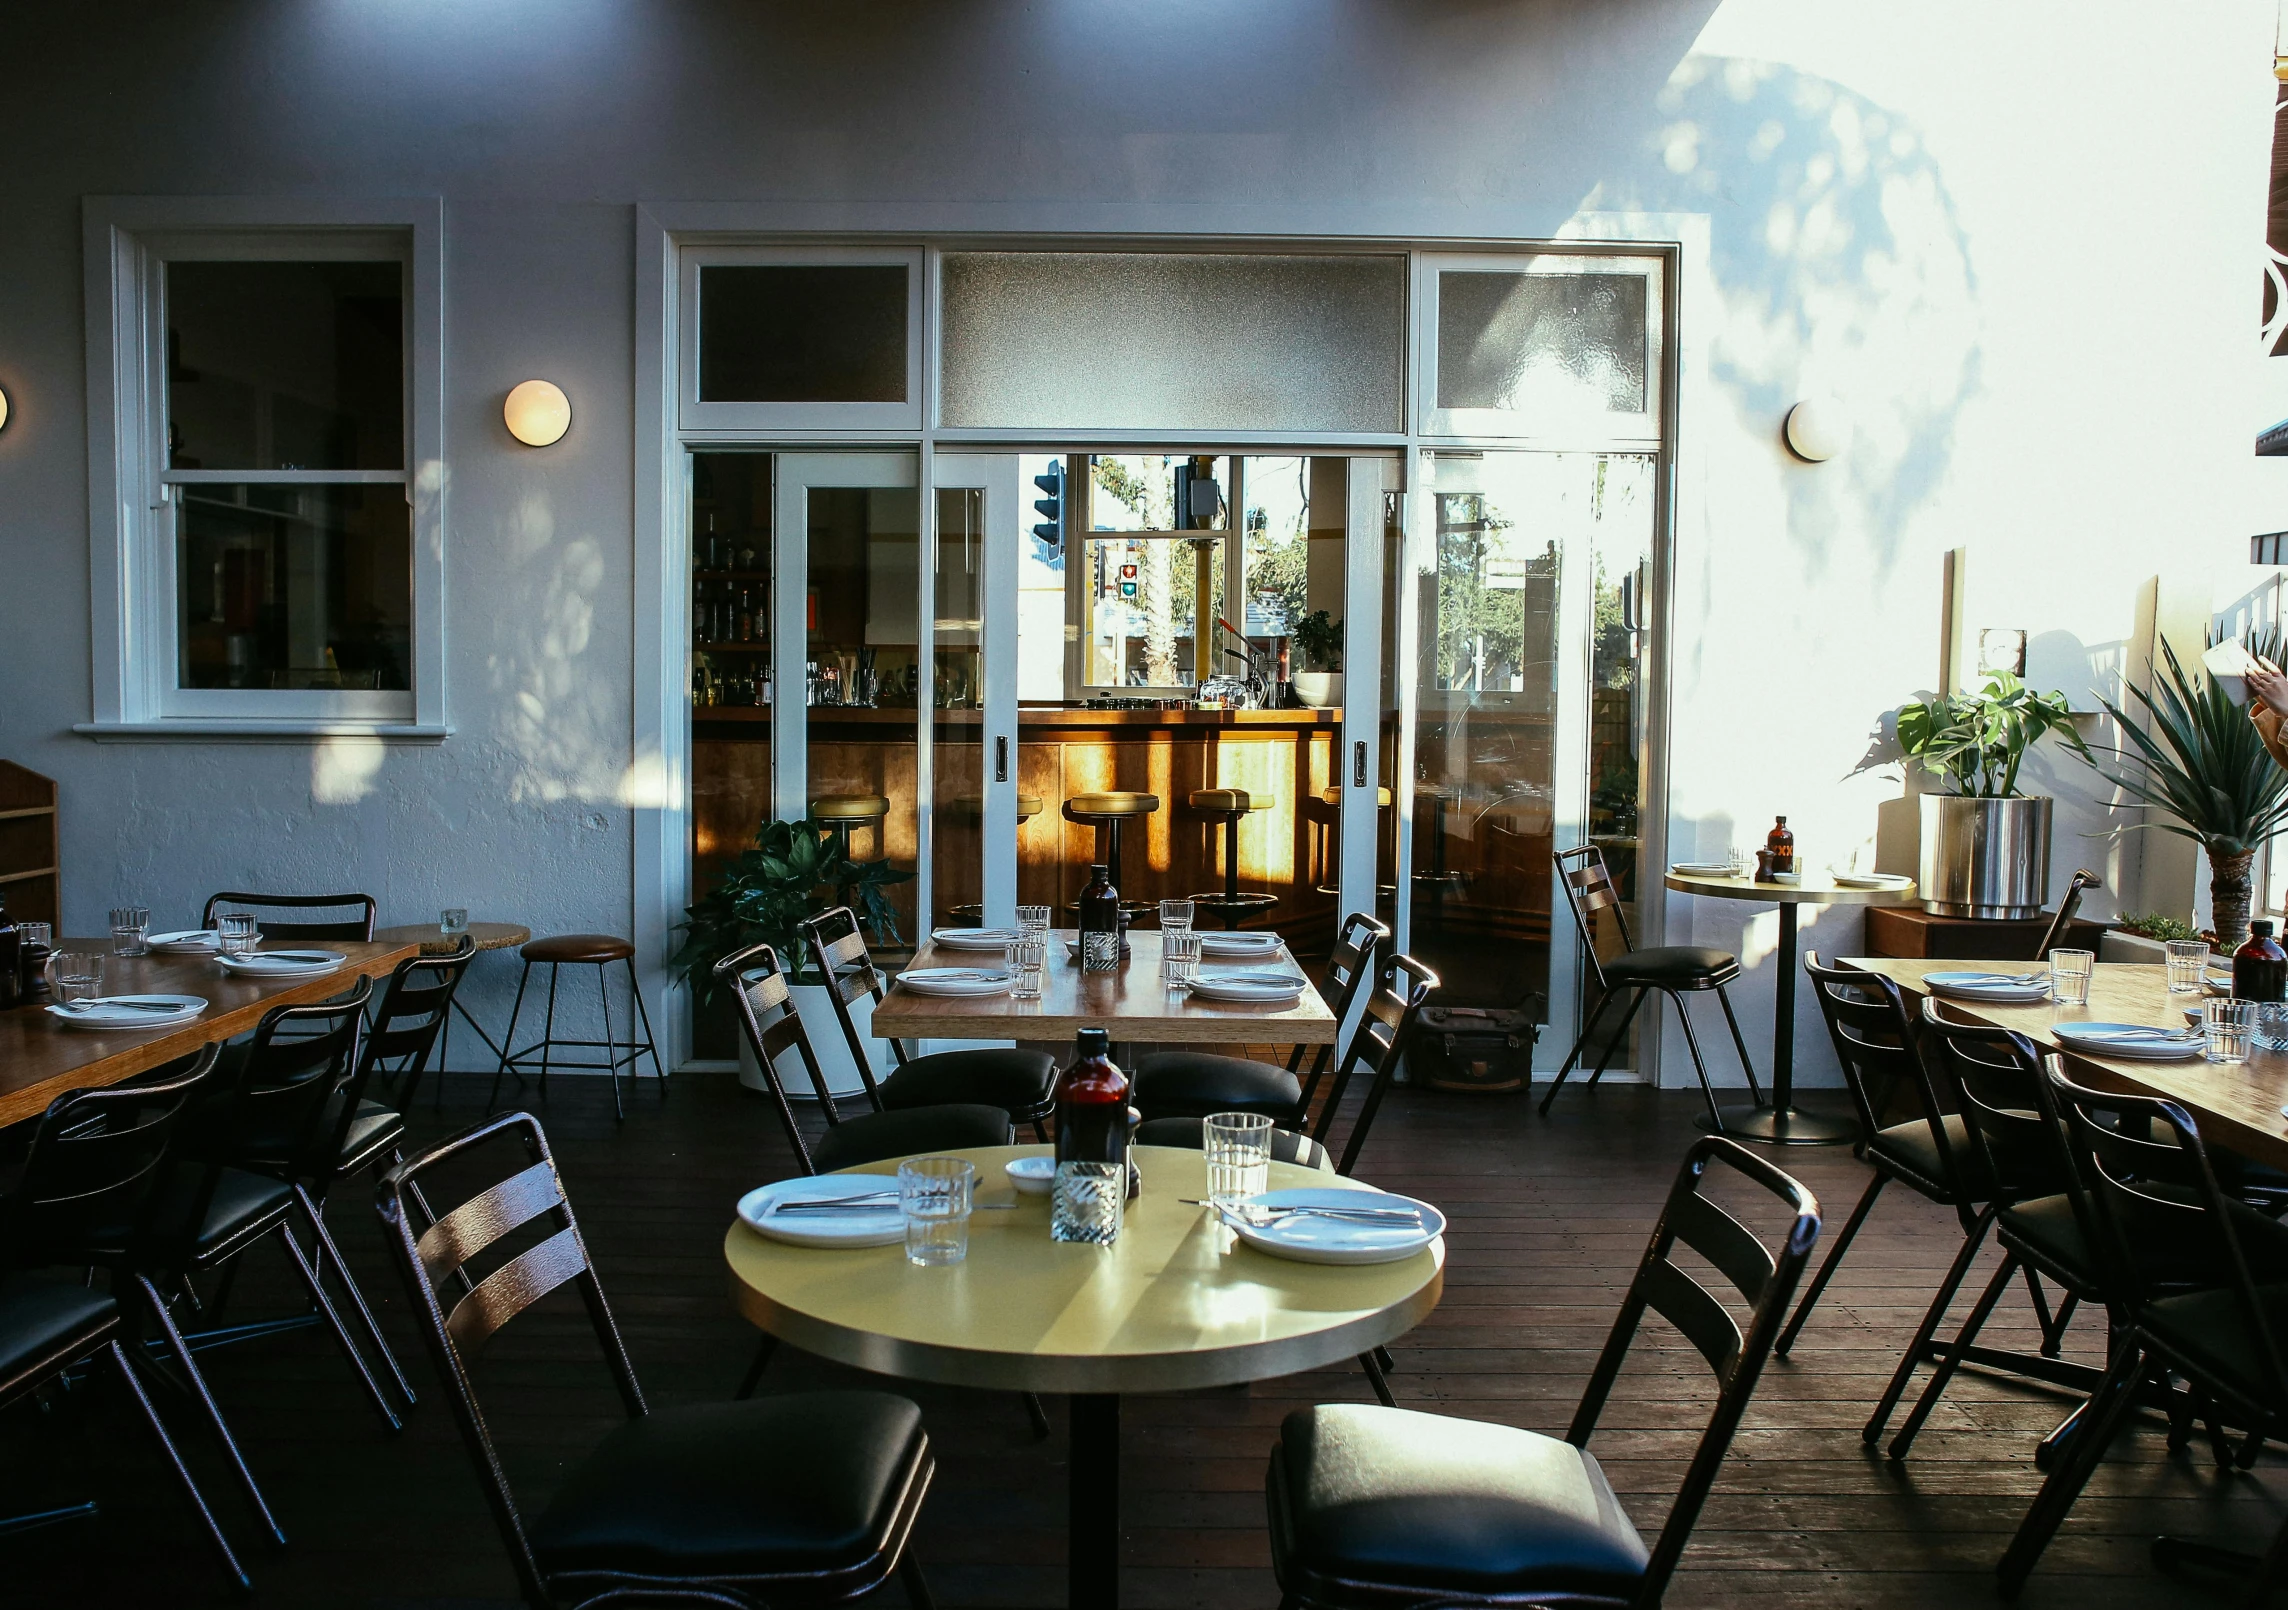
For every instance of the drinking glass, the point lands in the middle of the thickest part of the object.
(2069, 976)
(453, 920)
(236, 934)
(1735, 860)
(130, 931)
(1174, 915)
(1238, 1146)
(76, 976)
(1179, 956)
(933, 1194)
(2228, 1025)
(1033, 919)
(1087, 1203)
(1027, 957)
(2188, 965)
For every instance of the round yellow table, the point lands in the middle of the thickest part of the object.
(1177, 1303)
(1783, 1123)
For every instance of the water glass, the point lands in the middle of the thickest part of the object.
(2069, 976)
(453, 920)
(76, 976)
(1238, 1146)
(2188, 965)
(934, 1195)
(2229, 1024)
(1033, 919)
(1179, 956)
(236, 934)
(1174, 915)
(130, 931)
(1087, 1202)
(1735, 860)
(1026, 959)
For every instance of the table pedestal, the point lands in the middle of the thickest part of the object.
(1092, 1500)
(1783, 1123)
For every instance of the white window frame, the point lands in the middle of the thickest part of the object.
(132, 513)
(732, 418)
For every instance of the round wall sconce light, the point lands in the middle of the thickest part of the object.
(1818, 428)
(3, 410)
(538, 413)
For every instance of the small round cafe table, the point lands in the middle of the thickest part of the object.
(1783, 1123)
(1176, 1304)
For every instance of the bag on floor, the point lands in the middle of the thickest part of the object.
(1474, 1048)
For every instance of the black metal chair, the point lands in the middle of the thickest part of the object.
(1931, 1154)
(93, 1160)
(359, 927)
(1192, 1084)
(1377, 1508)
(1380, 1042)
(1021, 1083)
(1619, 967)
(557, 952)
(808, 1498)
(408, 1022)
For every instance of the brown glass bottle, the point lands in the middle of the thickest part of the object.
(1782, 845)
(1099, 923)
(2260, 967)
(1092, 1104)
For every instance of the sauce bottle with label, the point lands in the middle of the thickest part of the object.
(1781, 843)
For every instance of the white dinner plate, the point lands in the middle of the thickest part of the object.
(956, 981)
(110, 1015)
(186, 942)
(1248, 944)
(1250, 988)
(1307, 1238)
(1703, 869)
(1991, 985)
(1871, 880)
(283, 963)
(974, 938)
(1034, 1176)
(2129, 1042)
(859, 1227)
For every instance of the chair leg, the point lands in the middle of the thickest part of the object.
(1699, 1064)
(1755, 1090)
(1827, 1267)
(182, 1352)
(341, 1332)
(2116, 1395)
(1872, 1433)
(182, 1471)
(1619, 1039)
(508, 1040)
(548, 1029)
(611, 1050)
(324, 1250)
(1596, 1012)
(1040, 1131)
(1039, 1415)
(643, 1016)
(916, 1585)
(1376, 1379)
(1953, 1359)
(763, 1351)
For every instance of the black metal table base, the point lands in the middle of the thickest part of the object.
(1783, 1123)
(1092, 1499)
(1778, 1126)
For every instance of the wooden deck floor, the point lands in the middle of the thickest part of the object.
(1548, 1220)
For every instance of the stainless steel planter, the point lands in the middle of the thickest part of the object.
(1985, 857)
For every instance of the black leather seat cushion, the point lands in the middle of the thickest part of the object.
(1192, 1084)
(45, 1324)
(870, 1137)
(241, 1201)
(373, 1128)
(1910, 1144)
(1432, 1505)
(1005, 1077)
(1672, 965)
(807, 1482)
(2168, 1255)
(1190, 1134)
(2209, 1329)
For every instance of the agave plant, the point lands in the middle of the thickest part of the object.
(1977, 741)
(794, 871)
(2203, 764)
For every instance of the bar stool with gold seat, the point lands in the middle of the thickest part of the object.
(1028, 807)
(841, 815)
(1231, 806)
(1325, 816)
(1106, 812)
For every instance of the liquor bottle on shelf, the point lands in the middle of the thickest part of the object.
(1099, 923)
(745, 555)
(1781, 843)
(2260, 967)
(745, 631)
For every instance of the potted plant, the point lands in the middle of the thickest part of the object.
(1320, 638)
(793, 871)
(1985, 846)
(2202, 764)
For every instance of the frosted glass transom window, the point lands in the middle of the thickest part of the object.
(1168, 341)
(1544, 346)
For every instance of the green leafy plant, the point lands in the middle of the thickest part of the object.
(793, 871)
(2157, 926)
(1976, 741)
(1320, 637)
(2201, 764)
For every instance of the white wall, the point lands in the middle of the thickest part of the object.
(2022, 239)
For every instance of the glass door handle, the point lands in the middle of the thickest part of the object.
(1001, 759)
(1358, 764)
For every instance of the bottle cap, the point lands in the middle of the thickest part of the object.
(2261, 928)
(1781, 820)
(1093, 1042)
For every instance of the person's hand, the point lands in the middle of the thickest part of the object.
(2267, 683)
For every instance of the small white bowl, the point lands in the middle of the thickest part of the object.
(1033, 1176)
(1787, 877)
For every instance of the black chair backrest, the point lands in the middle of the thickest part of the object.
(94, 1158)
(1996, 1078)
(458, 1317)
(1875, 1042)
(1598, 910)
(360, 927)
(401, 1030)
(2067, 906)
(1765, 1280)
(838, 951)
(768, 1018)
(1379, 1041)
(300, 1060)
(1349, 965)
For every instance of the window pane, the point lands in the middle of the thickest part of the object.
(294, 586)
(285, 366)
(1173, 341)
(829, 332)
(1144, 619)
(1542, 343)
(1158, 492)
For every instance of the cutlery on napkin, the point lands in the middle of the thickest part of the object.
(127, 1006)
(1271, 1215)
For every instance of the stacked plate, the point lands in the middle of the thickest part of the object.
(1239, 945)
(974, 938)
(828, 1210)
(283, 963)
(186, 942)
(2015, 988)
(1871, 880)
(1702, 869)
(115, 1012)
(1250, 988)
(955, 981)
(2130, 1042)
(1326, 1224)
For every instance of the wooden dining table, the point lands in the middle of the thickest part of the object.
(41, 1057)
(1132, 1001)
(2237, 1105)
(1176, 1304)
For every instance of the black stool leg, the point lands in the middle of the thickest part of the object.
(1231, 872)
(611, 1049)
(635, 988)
(548, 1029)
(508, 1040)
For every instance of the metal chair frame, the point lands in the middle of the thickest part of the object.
(410, 1047)
(1381, 1038)
(1589, 890)
(2068, 904)
(361, 929)
(544, 1048)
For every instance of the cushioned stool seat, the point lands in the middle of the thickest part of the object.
(1190, 1134)
(1360, 1494)
(1672, 964)
(1192, 1084)
(577, 948)
(871, 1137)
(813, 1483)
(1010, 1078)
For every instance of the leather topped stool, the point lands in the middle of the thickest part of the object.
(842, 815)
(1028, 807)
(1231, 806)
(1325, 816)
(600, 951)
(1105, 813)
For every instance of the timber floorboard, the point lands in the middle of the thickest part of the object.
(1548, 1219)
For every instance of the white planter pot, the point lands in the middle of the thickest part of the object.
(1321, 690)
(827, 1043)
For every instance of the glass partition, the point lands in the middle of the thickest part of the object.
(957, 697)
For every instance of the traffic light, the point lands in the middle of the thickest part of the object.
(1050, 533)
